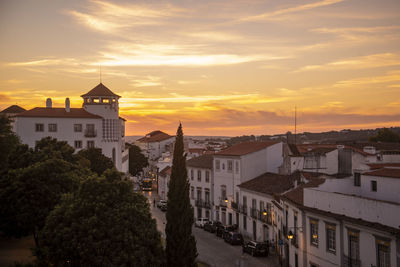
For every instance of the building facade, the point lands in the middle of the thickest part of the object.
(96, 124)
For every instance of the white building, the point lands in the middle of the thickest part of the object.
(164, 177)
(201, 178)
(344, 222)
(154, 144)
(96, 124)
(238, 164)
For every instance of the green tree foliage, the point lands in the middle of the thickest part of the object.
(8, 141)
(29, 194)
(50, 148)
(137, 161)
(98, 163)
(181, 246)
(385, 135)
(103, 224)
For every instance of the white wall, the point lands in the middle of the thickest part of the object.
(195, 183)
(353, 206)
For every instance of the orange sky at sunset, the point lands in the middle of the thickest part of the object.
(220, 67)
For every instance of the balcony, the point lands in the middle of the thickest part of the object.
(254, 213)
(90, 132)
(235, 206)
(243, 209)
(349, 262)
(222, 203)
(266, 218)
(202, 204)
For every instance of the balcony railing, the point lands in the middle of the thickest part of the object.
(202, 204)
(254, 213)
(235, 206)
(90, 133)
(349, 262)
(222, 203)
(243, 209)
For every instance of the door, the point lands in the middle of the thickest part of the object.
(254, 230)
(266, 233)
(230, 218)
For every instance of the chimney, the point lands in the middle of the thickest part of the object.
(48, 103)
(67, 104)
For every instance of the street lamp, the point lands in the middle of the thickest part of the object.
(315, 236)
(264, 212)
(290, 235)
(226, 200)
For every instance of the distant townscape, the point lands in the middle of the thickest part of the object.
(317, 199)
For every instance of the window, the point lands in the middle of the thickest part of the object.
(207, 176)
(199, 193)
(199, 175)
(78, 144)
(90, 144)
(357, 181)
(52, 127)
(191, 174)
(237, 197)
(254, 203)
(223, 166)
(314, 232)
(90, 131)
(217, 165)
(207, 195)
(373, 186)
(244, 222)
(77, 128)
(223, 192)
(192, 192)
(237, 166)
(331, 238)
(382, 253)
(295, 228)
(230, 165)
(296, 260)
(39, 127)
(354, 246)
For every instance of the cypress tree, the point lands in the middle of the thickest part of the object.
(181, 248)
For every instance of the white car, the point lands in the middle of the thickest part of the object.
(161, 203)
(200, 222)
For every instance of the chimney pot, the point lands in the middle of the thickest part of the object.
(67, 105)
(48, 103)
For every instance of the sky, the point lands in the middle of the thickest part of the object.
(220, 67)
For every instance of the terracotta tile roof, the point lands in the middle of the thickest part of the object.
(58, 113)
(375, 166)
(271, 183)
(297, 194)
(155, 136)
(13, 109)
(245, 148)
(204, 161)
(166, 171)
(100, 90)
(385, 172)
(302, 149)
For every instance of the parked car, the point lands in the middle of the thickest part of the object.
(224, 229)
(255, 248)
(161, 203)
(211, 226)
(233, 238)
(200, 222)
(163, 207)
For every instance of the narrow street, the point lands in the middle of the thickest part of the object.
(212, 249)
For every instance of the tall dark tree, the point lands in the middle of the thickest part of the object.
(103, 224)
(98, 163)
(137, 161)
(181, 248)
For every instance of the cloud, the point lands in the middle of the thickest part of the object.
(391, 76)
(369, 61)
(294, 9)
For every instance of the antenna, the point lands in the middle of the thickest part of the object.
(295, 123)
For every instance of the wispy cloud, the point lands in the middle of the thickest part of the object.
(289, 10)
(392, 76)
(369, 61)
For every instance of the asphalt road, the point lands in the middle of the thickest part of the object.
(212, 249)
